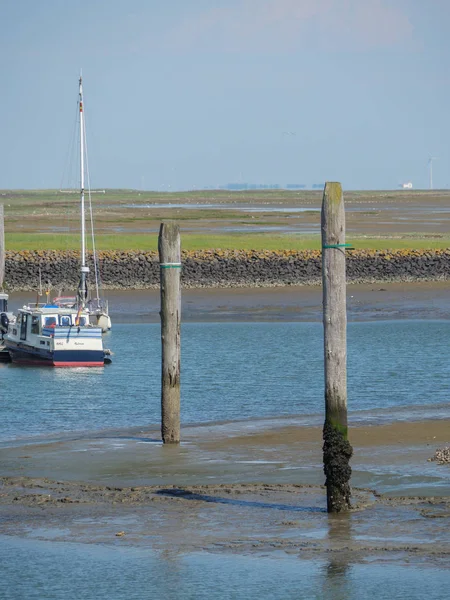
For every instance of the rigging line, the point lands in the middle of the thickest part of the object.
(88, 180)
(67, 177)
(70, 153)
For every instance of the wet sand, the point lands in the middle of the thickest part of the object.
(365, 302)
(240, 518)
(227, 490)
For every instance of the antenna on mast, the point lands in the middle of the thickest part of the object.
(430, 170)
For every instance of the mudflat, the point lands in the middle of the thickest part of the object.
(231, 489)
(388, 214)
(419, 300)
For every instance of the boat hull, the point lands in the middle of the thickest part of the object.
(27, 355)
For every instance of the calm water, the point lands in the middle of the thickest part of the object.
(233, 371)
(65, 570)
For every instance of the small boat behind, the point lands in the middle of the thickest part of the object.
(99, 313)
(57, 335)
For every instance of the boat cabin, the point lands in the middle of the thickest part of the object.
(42, 320)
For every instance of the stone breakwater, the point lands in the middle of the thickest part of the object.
(228, 268)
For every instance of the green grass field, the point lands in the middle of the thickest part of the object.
(30, 241)
(35, 220)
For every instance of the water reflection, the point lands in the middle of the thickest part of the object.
(336, 570)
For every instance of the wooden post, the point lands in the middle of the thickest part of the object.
(2, 247)
(337, 451)
(169, 248)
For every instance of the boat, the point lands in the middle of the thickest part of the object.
(56, 335)
(66, 331)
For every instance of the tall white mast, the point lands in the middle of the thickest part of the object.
(84, 268)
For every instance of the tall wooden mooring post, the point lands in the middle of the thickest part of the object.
(337, 450)
(169, 247)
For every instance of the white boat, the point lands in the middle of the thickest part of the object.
(65, 332)
(56, 335)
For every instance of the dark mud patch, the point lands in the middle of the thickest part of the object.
(189, 495)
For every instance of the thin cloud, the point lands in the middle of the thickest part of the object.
(267, 25)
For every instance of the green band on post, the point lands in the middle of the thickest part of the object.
(170, 265)
(349, 246)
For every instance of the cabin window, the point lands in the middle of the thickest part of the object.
(23, 326)
(35, 325)
(82, 321)
(64, 320)
(50, 322)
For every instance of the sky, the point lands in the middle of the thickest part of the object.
(186, 95)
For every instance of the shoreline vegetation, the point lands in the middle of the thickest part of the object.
(219, 219)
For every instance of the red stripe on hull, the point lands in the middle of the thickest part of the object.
(78, 364)
(49, 363)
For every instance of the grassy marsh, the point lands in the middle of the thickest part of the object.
(259, 220)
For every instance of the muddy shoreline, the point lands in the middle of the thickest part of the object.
(365, 302)
(227, 491)
(240, 518)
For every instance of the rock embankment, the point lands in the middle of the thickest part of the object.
(227, 268)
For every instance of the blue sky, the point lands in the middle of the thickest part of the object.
(191, 94)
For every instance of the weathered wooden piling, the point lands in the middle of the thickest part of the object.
(2, 246)
(169, 248)
(337, 450)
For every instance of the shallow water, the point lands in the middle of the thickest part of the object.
(244, 207)
(246, 372)
(233, 371)
(65, 570)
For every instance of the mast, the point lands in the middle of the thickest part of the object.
(82, 288)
